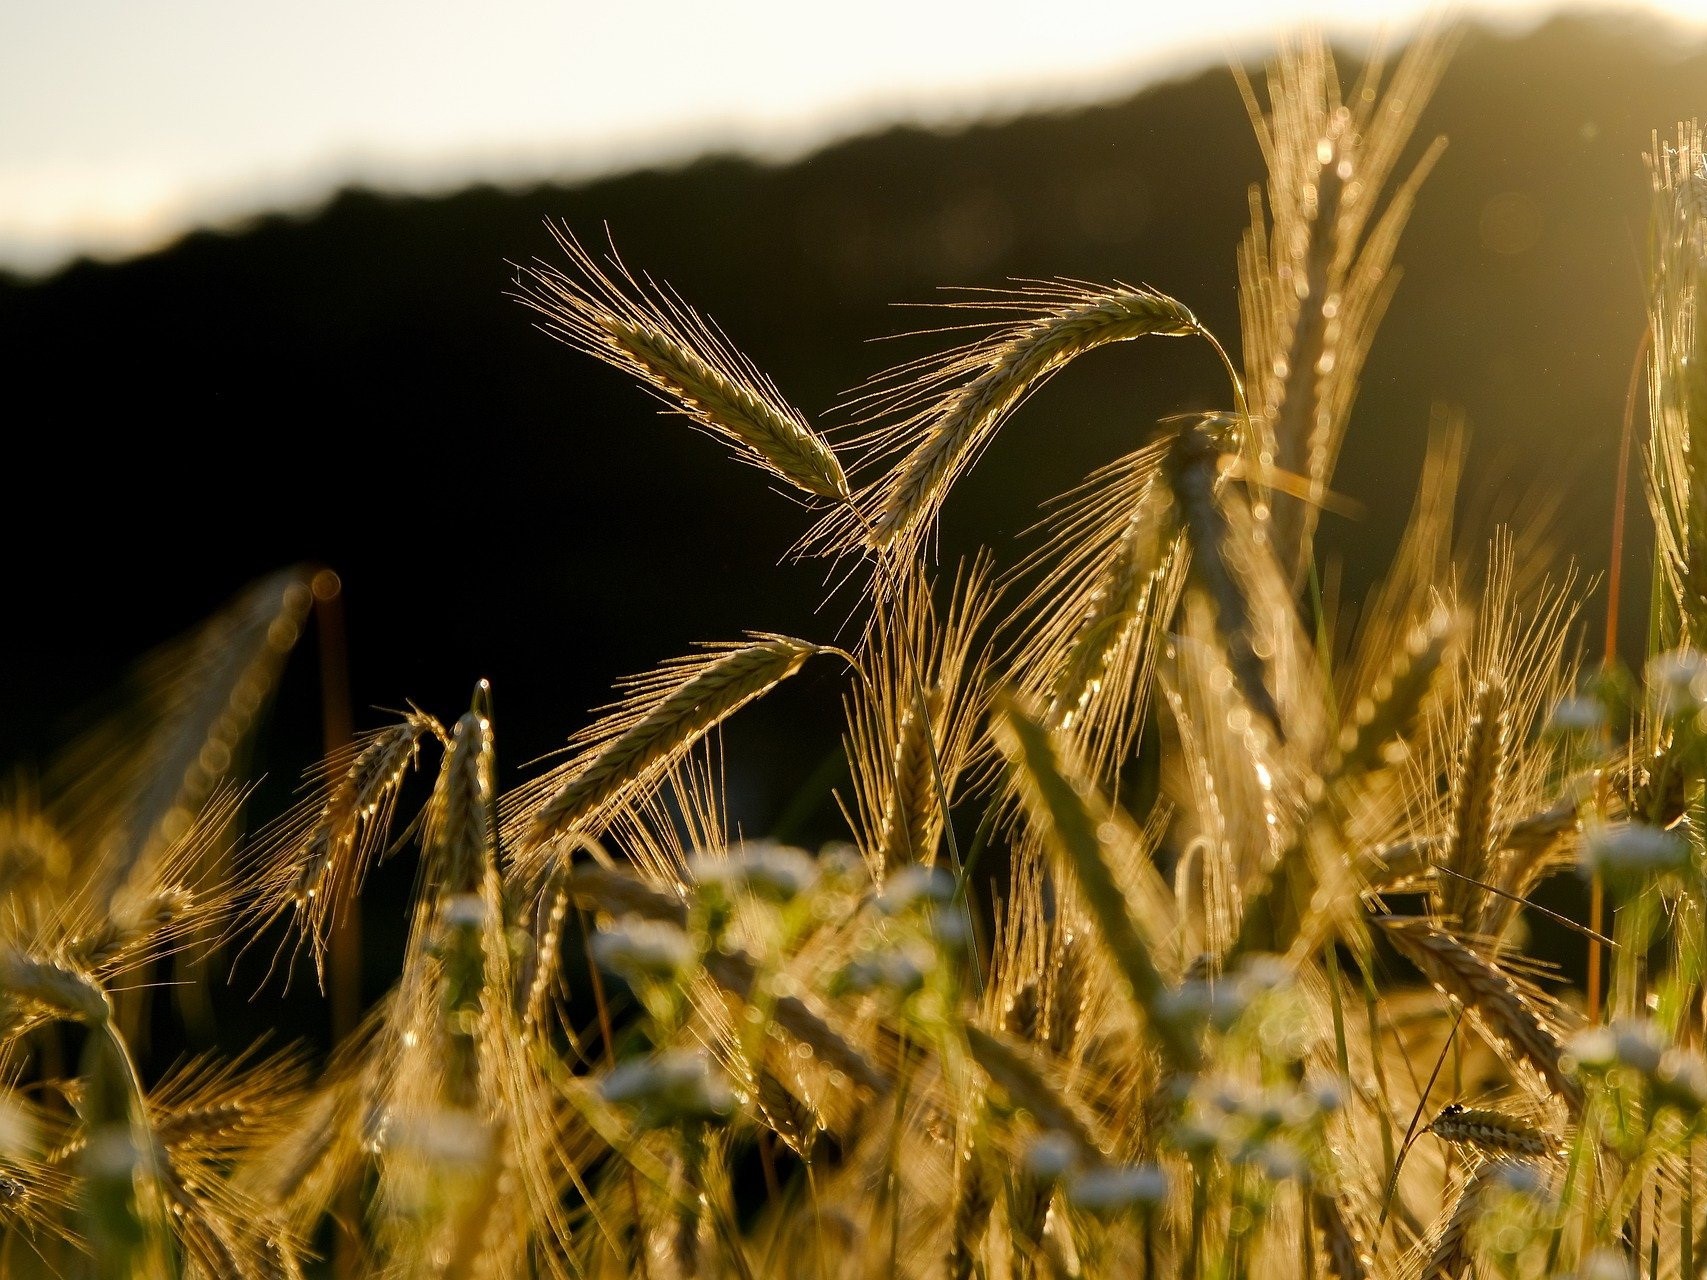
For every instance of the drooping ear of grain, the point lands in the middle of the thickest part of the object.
(949, 410)
(648, 332)
(61, 989)
(1028, 355)
(1490, 995)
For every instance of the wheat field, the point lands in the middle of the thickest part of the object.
(1182, 925)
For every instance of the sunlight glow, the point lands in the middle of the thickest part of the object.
(123, 125)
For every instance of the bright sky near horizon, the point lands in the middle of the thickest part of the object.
(125, 122)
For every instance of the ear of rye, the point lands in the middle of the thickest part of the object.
(1475, 801)
(1492, 997)
(997, 375)
(648, 332)
(667, 713)
(1070, 815)
(1018, 1072)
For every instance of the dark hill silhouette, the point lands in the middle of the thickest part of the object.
(354, 388)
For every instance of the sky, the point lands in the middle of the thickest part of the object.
(124, 123)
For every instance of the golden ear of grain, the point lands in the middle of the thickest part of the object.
(1401, 867)
(1477, 786)
(621, 756)
(140, 926)
(913, 720)
(1020, 1074)
(223, 1109)
(912, 817)
(1494, 1133)
(1069, 991)
(646, 331)
(468, 1094)
(1118, 603)
(1490, 995)
(1314, 272)
(128, 793)
(1024, 357)
(1071, 817)
(1449, 1254)
(1532, 846)
(974, 1198)
(550, 916)
(205, 1116)
(310, 862)
(941, 414)
(1382, 717)
(1193, 469)
(1345, 1256)
(1108, 576)
(35, 857)
(469, 929)
(303, 1160)
(1677, 372)
(66, 991)
(461, 831)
